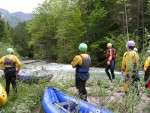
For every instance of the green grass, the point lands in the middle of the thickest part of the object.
(29, 96)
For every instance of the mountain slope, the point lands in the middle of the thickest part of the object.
(22, 16)
(14, 18)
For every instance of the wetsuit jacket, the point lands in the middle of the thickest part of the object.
(129, 59)
(12, 59)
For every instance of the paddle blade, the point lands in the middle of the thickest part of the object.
(126, 87)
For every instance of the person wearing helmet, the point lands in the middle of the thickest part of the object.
(10, 63)
(147, 71)
(130, 63)
(111, 55)
(135, 49)
(82, 63)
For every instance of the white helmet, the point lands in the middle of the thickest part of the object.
(135, 49)
(148, 51)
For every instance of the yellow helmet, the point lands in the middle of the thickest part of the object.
(109, 45)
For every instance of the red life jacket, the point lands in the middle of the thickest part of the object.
(149, 84)
(113, 53)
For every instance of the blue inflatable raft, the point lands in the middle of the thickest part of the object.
(33, 76)
(55, 101)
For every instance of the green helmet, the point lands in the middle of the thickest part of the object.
(148, 52)
(10, 50)
(83, 47)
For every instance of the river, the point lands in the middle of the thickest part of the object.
(62, 70)
(66, 70)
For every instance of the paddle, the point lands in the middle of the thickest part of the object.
(62, 108)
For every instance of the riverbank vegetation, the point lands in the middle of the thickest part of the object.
(55, 32)
(100, 92)
(60, 26)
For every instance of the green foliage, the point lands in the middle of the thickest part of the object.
(28, 96)
(21, 38)
(4, 47)
(145, 46)
(70, 31)
(43, 30)
(7, 34)
(60, 26)
(103, 92)
(98, 48)
(2, 23)
(119, 43)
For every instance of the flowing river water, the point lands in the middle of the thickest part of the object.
(66, 70)
(62, 70)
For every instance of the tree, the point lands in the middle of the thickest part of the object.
(7, 38)
(2, 23)
(21, 38)
(43, 30)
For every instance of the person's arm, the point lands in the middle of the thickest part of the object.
(2, 60)
(123, 62)
(137, 59)
(110, 56)
(77, 60)
(17, 61)
(147, 64)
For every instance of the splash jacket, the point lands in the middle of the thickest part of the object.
(84, 67)
(81, 65)
(147, 72)
(130, 58)
(10, 61)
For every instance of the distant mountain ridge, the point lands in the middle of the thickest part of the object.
(14, 18)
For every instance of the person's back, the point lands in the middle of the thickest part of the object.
(130, 59)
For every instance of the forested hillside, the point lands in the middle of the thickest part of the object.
(60, 26)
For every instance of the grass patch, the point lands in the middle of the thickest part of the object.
(28, 99)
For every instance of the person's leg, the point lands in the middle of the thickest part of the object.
(127, 83)
(13, 81)
(146, 77)
(107, 72)
(112, 67)
(80, 87)
(7, 87)
(84, 91)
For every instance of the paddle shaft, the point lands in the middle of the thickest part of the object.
(62, 108)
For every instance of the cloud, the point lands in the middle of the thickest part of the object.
(25, 6)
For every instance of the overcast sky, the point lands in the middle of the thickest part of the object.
(25, 6)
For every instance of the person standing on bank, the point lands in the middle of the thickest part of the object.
(82, 63)
(10, 62)
(130, 65)
(111, 55)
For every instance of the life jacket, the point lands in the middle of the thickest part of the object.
(149, 84)
(9, 63)
(109, 53)
(84, 67)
